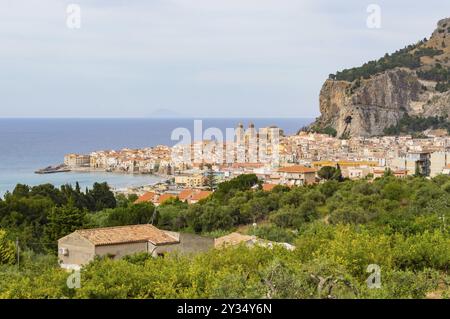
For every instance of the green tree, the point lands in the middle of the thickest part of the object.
(102, 197)
(211, 180)
(327, 172)
(63, 221)
(330, 173)
(7, 249)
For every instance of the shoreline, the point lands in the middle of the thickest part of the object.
(100, 170)
(118, 181)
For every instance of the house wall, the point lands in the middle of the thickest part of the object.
(80, 251)
(120, 250)
(309, 178)
(162, 249)
(438, 161)
(191, 243)
(402, 163)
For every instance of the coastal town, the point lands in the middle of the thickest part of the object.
(299, 159)
(224, 156)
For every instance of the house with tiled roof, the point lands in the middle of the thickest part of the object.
(147, 197)
(198, 196)
(186, 194)
(164, 198)
(82, 246)
(192, 196)
(268, 187)
(297, 175)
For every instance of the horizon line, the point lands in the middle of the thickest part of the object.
(152, 118)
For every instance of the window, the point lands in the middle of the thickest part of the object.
(63, 251)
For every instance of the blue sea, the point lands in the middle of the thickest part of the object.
(29, 144)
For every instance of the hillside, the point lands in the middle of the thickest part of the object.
(413, 81)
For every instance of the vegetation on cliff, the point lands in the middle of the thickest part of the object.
(328, 130)
(439, 74)
(415, 125)
(400, 58)
(409, 57)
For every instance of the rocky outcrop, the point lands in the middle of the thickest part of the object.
(365, 107)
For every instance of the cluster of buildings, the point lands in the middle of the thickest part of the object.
(275, 158)
(145, 161)
(298, 161)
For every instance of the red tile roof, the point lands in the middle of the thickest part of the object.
(247, 165)
(126, 234)
(268, 187)
(147, 197)
(186, 194)
(201, 195)
(165, 197)
(300, 169)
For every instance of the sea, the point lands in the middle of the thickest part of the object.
(28, 144)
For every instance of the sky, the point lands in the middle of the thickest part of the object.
(192, 58)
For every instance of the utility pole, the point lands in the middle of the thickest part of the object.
(442, 217)
(153, 215)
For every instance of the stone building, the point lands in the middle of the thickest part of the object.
(297, 175)
(77, 160)
(82, 246)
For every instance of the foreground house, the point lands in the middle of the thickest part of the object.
(82, 246)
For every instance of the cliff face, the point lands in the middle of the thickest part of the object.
(365, 105)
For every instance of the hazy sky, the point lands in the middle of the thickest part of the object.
(201, 58)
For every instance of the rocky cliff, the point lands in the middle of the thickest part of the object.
(365, 101)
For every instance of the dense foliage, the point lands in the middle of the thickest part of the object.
(400, 58)
(39, 215)
(325, 130)
(439, 74)
(338, 228)
(409, 57)
(415, 125)
(330, 173)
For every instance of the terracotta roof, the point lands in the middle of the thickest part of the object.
(126, 234)
(147, 197)
(165, 197)
(345, 163)
(201, 195)
(185, 194)
(232, 239)
(247, 165)
(268, 187)
(297, 169)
